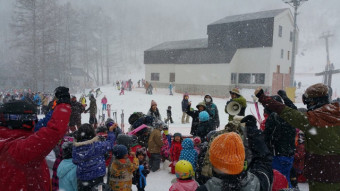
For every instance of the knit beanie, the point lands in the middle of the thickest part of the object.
(197, 140)
(227, 153)
(153, 102)
(178, 135)
(119, 151)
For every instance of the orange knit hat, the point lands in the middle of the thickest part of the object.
(227, 153)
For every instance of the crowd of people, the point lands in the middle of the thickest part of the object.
(290, 145)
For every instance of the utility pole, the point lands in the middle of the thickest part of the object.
(327, 79)
(329, 69)
(295, 4)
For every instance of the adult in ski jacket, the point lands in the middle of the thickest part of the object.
(185, 103)
(212, 110)
(194, 114)
(93, 111)
(280, 139)
(22, 151)
(321, 125)
(77, 110)
(237, 97)
(153, 111)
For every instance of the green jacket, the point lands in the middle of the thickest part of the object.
(322, 130)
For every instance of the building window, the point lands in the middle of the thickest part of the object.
(172, 77)
(291, 36)
(281, 53)
(154, 76)
(280, 31)
(233, 78)
(248, 78)
(288, 54)
(244, 78)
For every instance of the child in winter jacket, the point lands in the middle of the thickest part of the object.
(134, 147)
(67, 171)
(121, 170)
(139, 176)
(89, 156)
(165, 150)
(155, 144)
(197, 144)
(175, 150)
(184, 174)
(188, 152)
(205, 125)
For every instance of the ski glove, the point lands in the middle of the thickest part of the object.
(282, 93)
(250, 121)
(62, 94)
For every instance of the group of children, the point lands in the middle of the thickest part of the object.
(85, 155)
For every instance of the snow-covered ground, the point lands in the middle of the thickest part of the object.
(137, 101)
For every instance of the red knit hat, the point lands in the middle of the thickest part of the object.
(227, 153)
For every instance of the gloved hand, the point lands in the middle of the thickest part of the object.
(258, 92)
(250, 121)
(62, 94)
(282, 93)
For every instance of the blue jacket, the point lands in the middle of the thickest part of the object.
(89, 157)
(67, 175)
(188, 152)
(37, 99)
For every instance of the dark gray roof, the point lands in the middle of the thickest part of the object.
(224, 38)
(250, 16)
(183, 44)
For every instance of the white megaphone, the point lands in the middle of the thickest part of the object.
(233, 108)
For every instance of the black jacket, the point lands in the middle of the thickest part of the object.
(195, 120)
(203, 128)
(279, 136)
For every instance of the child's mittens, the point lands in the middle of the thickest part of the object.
(141, 167)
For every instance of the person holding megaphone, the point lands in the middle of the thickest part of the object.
(236, 105)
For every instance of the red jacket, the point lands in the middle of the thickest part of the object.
(22, 153)
(175, 151)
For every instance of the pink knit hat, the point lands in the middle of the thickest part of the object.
(197, 140)
(153, 103)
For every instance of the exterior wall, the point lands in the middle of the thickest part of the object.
(285, 20)
(164, 71)
(252, 60)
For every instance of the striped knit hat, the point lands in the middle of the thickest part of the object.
(227, 153)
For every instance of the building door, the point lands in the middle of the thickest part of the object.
(280, 82)
(172, 77)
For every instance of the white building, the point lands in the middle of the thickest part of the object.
(244, 51)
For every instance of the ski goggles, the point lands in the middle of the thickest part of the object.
(20, 117)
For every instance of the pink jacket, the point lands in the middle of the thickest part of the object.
(104, 100)
(184, 185)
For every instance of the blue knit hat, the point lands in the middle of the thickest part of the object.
(119, 151)
(203, 116)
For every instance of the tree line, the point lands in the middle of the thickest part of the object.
(52, 39)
